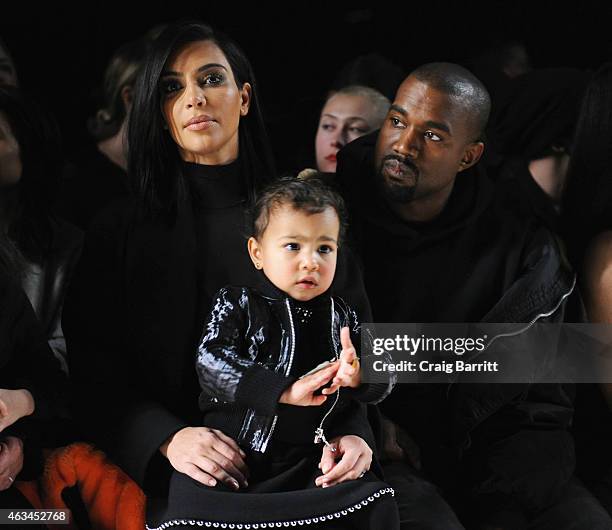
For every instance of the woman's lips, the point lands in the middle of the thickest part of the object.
(199, 123)
(331, 158)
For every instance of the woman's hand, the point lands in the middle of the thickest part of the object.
(301, 393)
(11, 461)
(355, 459)
(207, 455)
(348, 374)
(14, 404)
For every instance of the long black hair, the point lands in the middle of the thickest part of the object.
(587, 200)
(154, 163)
(38, 136)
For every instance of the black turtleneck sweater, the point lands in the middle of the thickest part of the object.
(219, 197)
(151, 282)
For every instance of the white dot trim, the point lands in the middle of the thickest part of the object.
(274, 524)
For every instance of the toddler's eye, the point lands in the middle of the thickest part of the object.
(325, 249)
(292, 246)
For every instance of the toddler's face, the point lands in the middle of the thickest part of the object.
(298, 251)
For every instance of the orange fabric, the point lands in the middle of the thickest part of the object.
(112, 499)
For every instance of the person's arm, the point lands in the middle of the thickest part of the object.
(596, 283)
(115, 403)
(224, 370)
(521, 457)
(227, 374)
(31, 380)
(597, 279)
(111, 401)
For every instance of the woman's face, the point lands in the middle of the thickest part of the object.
(344, 118)
(10, 159)
(202, 104)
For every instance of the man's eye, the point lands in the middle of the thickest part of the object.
(292, 246)
(432, 136)
(325, 249)
(395, 122)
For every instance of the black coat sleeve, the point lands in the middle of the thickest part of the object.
(113, 405)
(27, 362)
(224, 370)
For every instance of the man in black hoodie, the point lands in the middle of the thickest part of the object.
(439, 244)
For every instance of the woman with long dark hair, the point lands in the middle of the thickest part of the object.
(198, 154)
(587, 227)
(43, 248)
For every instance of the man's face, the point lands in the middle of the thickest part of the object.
(425, 140)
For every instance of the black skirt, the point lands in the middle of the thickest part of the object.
(281, 494)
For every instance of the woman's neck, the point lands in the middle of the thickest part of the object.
(115, 147)
(549, 173)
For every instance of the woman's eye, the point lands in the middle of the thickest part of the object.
(432, 136)
(325, 249)
(327, 127)
(358, 130)
(213, 79)
(292, 246)
(169, 86)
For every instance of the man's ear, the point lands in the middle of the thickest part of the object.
(245, 99)
(255, 252)
(472, 155)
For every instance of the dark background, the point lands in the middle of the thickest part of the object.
(296, 48)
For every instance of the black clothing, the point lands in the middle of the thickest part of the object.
(27, 362)
(88, 185)
(477, 261)
(133, 316)
(534, 112)
(524, 195)
(253, 347)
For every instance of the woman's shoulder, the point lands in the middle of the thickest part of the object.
(115, 216)
(597, 278)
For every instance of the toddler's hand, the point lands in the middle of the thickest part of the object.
(301, 392)
(348, 373)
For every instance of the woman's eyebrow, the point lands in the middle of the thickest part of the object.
(201, 69)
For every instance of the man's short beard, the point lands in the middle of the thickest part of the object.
(393, 192)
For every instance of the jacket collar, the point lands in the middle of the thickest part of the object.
(268, 290)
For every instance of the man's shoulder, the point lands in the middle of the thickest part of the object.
(356, 158)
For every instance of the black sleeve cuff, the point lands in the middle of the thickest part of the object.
(370, 392)
(260, 389)
(145, 429)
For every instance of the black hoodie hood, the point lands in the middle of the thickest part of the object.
(359, 184)
(452, 269)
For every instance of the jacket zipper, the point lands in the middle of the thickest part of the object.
(537, 317)
(319, 433)
(468, 440)
(287, 372)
